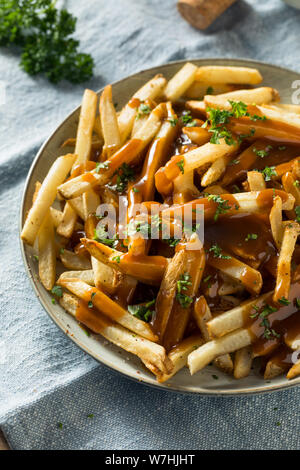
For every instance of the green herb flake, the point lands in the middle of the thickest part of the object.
(297, 210)
(143, 110)
(209, 90)
(214, 376)
(91, 416)
(57, 290)
(268, 172)
(181, 165)
(60, 425)
(284, 301)
(182, 286)
(36, 257)
(217, 252)
(143, 312)
(222, 205)
(173, 121)
(102, 166)
(117, 259)
(251, 236)
(263, 315)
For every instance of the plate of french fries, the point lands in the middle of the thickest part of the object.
(160, 226)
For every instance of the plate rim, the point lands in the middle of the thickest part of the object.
(115, 368)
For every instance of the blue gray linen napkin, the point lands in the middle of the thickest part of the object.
(44, 378)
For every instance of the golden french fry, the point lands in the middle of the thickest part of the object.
(259, 96)
(276, 221)
(289, 108)
(68, 222)
(105, 277)
(199, 89)
(294, 371)
(256, 181)
(126, 154)
(146, 350)
(202, 356)
(181, 81)
(215, 171)
(283, 281)
(47, 253)
(73, 261)
(179, 355)
(85, 127)
(108, 307)
(109, 122)
(86, 276)
(197, 135)
(243, 359)
(202, 315)
(226, 74)
(56, 216)
(46, 195)
(151, 90)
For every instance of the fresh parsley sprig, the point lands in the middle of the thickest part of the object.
(44, 34)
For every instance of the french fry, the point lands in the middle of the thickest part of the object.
(109, 123)
(46, 196)
(179, 164)
(105, 277)
(179, 355)
(283, 280)
(206, 353)
(256, 181)
(259, 96)
(202, 315)
(276, 221)
(181, 81)
(67, 224)
(289, 108)
(147, 351)
(243, 359)
(226, 74)
(184, 188)
(75, 262)
(90, 202)
(85, 127)
(56, 216)
(233, 267)
(148, 269)
(86, 276)
(108, 307)
(294, 371)
(199, 89)
(216, 170)
(250, 202)
(197, 135)
(47, 253)
(126, 154)
(151, 90)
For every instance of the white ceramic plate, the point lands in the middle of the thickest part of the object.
(204, 382)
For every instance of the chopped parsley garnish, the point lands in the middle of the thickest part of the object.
(90, 303)
(182, 285)
(296, 183)
(173, 121)
(124, 175)
(284, 301)
(251, 236)
(117, 259)
(214, 376)
(222, 205)
(60, 425)
(187, 119)
(101, 236)
(283, 147)
(57, 290)
(263, 315)
(297, 302)
(268, 172)
(234, 162)
(181, 165)
(91, 416)
(171, 241)
(218, 118)
(209, 90)
(61, 251)
(143, 312)
(53, 300)
(297, 210)
(102, 166)
(143, 110)
(263, 153)
(217, 252)
(36, 257)
(136, 190)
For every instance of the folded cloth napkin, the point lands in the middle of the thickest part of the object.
(44, 378)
